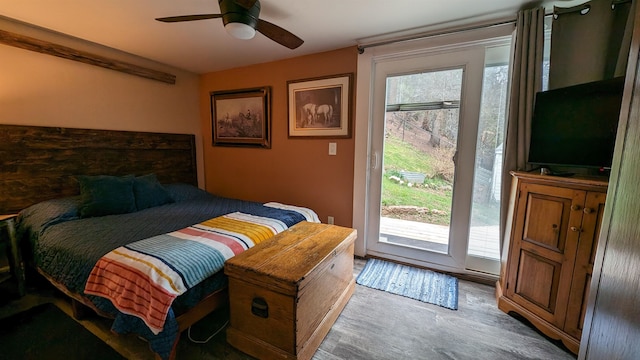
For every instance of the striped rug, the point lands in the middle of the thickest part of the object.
(419, 284)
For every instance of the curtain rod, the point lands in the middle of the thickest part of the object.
(362, 48)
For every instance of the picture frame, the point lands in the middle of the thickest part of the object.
(320, 107)
(241, 117)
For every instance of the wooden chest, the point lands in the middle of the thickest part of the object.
(286, 293)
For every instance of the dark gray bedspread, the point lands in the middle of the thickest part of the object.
(66, 247)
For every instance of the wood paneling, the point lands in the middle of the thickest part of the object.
(612, 322)
(41, 163)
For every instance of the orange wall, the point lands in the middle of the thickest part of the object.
(295, 171)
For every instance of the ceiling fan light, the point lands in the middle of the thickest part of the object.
(240, 31)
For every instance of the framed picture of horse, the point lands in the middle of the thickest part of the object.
(241, 117)
(320, 107)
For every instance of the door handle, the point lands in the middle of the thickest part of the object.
(259, 307)
(375, 160)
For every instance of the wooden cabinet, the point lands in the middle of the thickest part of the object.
(548, 261)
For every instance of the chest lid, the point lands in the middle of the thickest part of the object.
(283, 262)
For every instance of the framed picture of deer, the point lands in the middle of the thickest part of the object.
(320, 107)
(241, 117)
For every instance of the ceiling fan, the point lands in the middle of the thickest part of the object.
(241, 20)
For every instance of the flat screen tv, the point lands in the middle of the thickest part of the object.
(576, 126)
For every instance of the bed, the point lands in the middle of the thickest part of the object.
(66, 235)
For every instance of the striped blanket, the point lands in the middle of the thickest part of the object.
(143, 278)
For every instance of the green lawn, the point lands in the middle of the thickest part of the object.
(399, 155)
(433, 194)
(396, 194)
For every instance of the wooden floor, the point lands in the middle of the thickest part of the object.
(373, 325)
(379, 325)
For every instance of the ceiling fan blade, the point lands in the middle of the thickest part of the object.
(247, 4)
(278, 34)
(172, 19)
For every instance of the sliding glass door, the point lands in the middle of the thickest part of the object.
(435, 148)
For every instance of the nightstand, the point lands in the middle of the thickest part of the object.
(10, 241)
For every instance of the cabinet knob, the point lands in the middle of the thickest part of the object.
(575, 207)
(575, 229)
(588, 210)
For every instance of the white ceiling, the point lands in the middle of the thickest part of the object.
(203, 46)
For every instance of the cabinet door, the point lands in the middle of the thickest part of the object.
(543, 249)
(585, 257)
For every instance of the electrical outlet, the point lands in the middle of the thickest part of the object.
(330, 220)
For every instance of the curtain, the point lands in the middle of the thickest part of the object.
(589, 42)
(624, 12)
(526, 80)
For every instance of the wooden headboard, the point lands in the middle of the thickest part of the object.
(41, 163)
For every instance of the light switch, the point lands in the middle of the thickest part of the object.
(333, 148)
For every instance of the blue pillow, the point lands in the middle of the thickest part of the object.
(149, 192)
(185, 192)
(106, 195)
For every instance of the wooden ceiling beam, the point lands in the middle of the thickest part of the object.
(45, 47)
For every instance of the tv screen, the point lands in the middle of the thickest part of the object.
(576, 126)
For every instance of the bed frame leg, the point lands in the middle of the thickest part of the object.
(80, 311)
